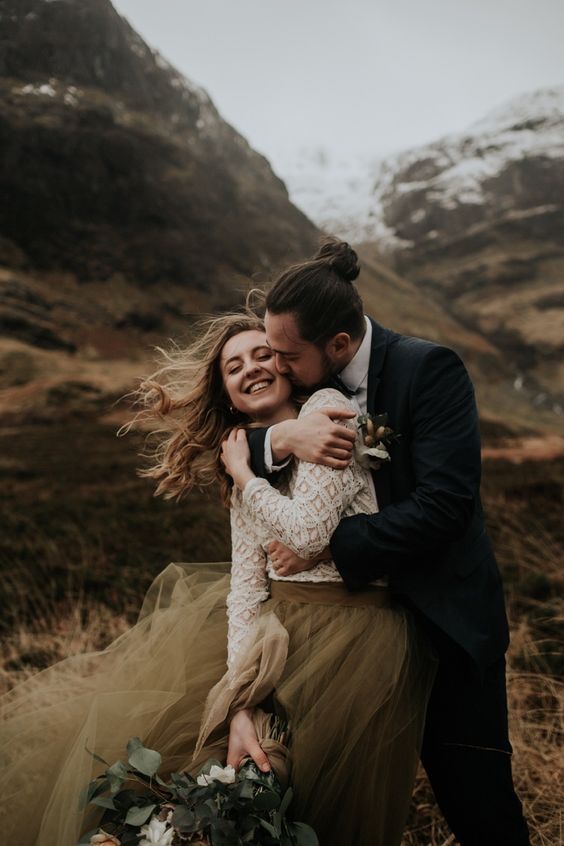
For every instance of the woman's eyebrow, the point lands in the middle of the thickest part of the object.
(253, 351)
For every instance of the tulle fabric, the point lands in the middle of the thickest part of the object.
(353, 681)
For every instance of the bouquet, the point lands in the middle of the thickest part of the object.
(216, 807)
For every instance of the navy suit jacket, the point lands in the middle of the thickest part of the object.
(428, 536)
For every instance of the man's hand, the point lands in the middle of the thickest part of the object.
(287, 563)
(316, 438)
(243, 742)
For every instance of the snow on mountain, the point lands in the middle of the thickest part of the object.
(349, 196)
(335, 191)
(459, 170)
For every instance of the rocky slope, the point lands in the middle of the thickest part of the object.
(477, 221)
(128, 201)
(131, 206)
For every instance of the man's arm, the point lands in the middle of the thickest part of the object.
(446, 460)
(316, 438)
(255, 438)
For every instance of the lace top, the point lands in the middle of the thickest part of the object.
(302, 512)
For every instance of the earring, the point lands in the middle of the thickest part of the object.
(231, 409)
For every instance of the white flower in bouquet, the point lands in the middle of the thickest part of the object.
(223, 774)
(156, 833)
(104, 839)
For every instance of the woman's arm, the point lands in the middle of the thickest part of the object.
(249, 583)
(306, 522)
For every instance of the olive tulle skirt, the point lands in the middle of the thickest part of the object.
(351, 674)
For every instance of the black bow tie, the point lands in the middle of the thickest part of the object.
(336, 382)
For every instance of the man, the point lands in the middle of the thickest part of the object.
(427, 537)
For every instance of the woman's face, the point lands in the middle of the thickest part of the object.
(252, 382)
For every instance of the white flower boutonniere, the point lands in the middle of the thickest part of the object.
(376, 439)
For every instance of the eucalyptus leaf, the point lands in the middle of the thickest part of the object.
(86, 837)
(104, 802)
(95, 787)
(184, 820)
(146, 761)
(116, 774)
(266, 801)
(288, 796)
(139, 816)
(270, 828)
(304, 834)
(97, 757)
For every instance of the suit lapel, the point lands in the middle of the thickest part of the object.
(378, 351)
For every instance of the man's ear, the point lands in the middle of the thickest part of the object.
(339, 346)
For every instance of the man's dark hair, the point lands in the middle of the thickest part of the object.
(320, 293)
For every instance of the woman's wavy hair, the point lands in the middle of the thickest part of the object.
(186, 409)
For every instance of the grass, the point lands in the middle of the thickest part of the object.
(83, 538)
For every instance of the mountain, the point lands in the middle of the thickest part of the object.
(132, 206)
(475, 221)
(128, 201)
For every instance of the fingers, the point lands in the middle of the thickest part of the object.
(259, 757)
(342, 454)
(256, 752)
(335, 463)
(339, 413)
(342, 435)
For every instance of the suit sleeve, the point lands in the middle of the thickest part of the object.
(445, 446)
(255, 438)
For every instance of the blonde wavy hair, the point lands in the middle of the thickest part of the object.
(186, 409)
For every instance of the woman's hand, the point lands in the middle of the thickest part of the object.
(243, 742)
(236, 457)
(287, 563)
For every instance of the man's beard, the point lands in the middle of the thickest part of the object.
(328, 370)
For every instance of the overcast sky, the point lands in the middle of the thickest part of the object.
(361, 76)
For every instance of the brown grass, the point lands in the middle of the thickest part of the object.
(82, 539)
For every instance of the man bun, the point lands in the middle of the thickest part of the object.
(340, 256)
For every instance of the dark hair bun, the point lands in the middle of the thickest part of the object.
(341, 257)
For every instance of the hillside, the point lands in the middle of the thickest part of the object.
(475, 222)
(133, 206)
(129, 202)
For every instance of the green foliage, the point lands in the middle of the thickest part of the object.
(250, 807)
(147, 761)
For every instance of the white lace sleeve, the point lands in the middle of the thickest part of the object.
(249, 583)
(305, 522)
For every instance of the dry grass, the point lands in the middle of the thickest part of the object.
(536, 702)
(536, 710)
(83, 538)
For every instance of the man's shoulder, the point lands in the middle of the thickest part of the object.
(410, 346)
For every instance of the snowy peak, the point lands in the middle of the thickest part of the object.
(527, 111)
(477, 220)
(484, 172)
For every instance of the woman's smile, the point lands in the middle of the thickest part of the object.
(252, 383)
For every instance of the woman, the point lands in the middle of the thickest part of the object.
(349, 672)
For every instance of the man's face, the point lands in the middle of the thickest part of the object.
(301, 361)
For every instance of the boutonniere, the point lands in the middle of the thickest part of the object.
(376, 439)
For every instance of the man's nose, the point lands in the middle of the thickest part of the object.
(280, 363)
